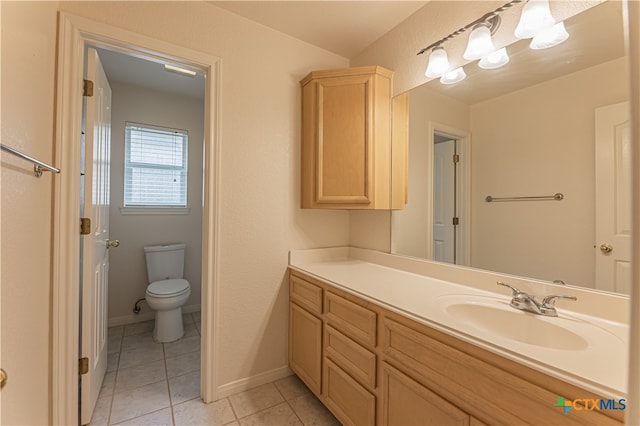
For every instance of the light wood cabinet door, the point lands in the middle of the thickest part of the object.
(406, 402)
(346, 139)
(305, 346)
(351, 403)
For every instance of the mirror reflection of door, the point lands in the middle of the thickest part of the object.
(444, 198)
(613, 198)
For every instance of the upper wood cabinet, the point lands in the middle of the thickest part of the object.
(347, 144)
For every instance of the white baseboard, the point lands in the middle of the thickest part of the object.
(145, 316)
(228, 389)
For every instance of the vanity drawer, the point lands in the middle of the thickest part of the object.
(305, 294)
(353, 358)
(351, 403)
(353, 320)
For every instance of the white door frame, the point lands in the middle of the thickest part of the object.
(463, 196)
(75, 33)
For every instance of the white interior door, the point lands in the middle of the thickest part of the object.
(443, 201)
(613, 198)
(95, 255)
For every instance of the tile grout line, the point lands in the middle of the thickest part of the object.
(115, 379)
(166, 375)
(287, 402)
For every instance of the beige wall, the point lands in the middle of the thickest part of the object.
(28, 78)
(543, 143)
(127, 268)
(260, 216)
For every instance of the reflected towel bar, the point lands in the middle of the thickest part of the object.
(38, 166)
(558, 196)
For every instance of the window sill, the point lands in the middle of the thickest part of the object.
(151, 210)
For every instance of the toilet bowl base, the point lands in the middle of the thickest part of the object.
(168, 327)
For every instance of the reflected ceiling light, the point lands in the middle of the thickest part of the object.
(550, 37)
(535, 17)
(438, 63)
(480, 43)
(453, 77)
(494, 59)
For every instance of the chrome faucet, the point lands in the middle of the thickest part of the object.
(526, 302)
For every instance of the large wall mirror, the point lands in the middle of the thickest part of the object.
(550, 122)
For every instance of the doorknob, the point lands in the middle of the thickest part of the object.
(606, 248)
(112, 243)
(3, 378)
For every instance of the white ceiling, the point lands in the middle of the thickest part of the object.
(342, 27)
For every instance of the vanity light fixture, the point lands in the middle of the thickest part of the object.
(438, 63)
(479, 46)
(535, 22)
(480, 43)
(178, 70)
(550, 37)
(535, 17)
(453, 77)
(494, 59)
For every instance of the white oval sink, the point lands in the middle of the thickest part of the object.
(518, 325)
(478, 314)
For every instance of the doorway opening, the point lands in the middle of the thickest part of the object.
(77, 35)
(445, 190)
(142, 187)
(450, 186)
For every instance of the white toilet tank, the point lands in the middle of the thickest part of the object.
(165, 261)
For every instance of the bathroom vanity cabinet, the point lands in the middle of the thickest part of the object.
(372, 366)
(354, 140)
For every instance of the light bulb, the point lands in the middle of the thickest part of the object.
(454, 76)
(480, 43)
(550, 37)
(535, 17)
(494, 59)
(438, 63)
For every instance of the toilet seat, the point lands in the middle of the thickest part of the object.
(168, 288)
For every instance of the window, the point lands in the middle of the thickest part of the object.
(155, 166)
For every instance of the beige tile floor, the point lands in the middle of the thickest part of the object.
(149, 383)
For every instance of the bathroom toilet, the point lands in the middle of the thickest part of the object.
(167, 290)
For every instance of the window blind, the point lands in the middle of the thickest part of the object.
(155, 172)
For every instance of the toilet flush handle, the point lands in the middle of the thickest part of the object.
(112, 243)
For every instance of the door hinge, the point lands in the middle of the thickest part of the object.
(87, 88)
(83, 365)
(85, 226)
(456, 158)
(456, 221)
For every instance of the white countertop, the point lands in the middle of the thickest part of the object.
(600, 365)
